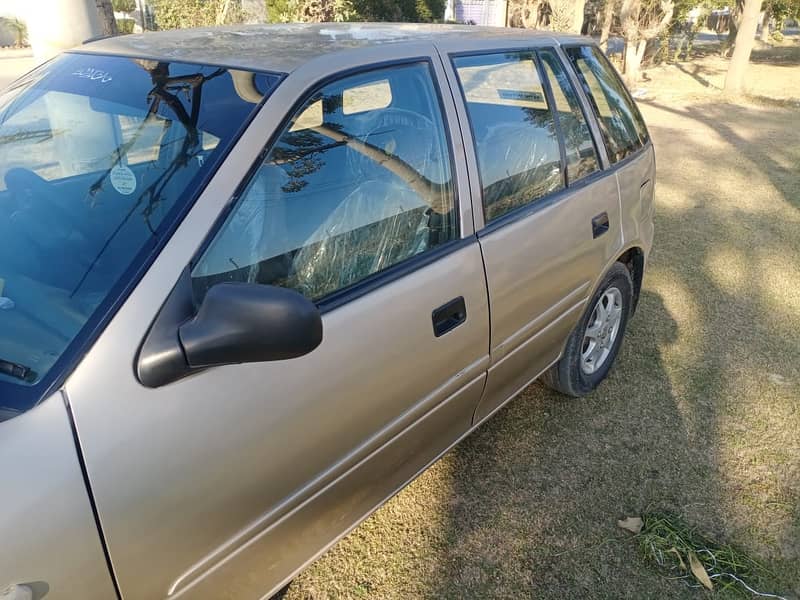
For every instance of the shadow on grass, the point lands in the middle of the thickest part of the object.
(696, 73)
(687, 423)
(538, 490)
(716, 116)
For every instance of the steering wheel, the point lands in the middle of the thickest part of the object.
(25, 185)
(38, 212)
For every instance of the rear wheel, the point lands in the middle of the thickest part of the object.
(594, 343)
(281, 592)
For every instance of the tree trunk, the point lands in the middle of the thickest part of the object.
(733, 28)
(744, 45)
(629, 18)
(580, 7)
(765, 24)
(530, 14)
(634, 52)
(106, 13)
(222, 12)
(608, 20)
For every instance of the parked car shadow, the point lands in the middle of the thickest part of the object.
(537, 491)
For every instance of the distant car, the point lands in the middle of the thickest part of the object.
(254, 280)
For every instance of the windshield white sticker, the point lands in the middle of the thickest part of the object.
(93, 74)
(123, 180)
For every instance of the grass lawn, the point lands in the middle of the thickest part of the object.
(699, 418)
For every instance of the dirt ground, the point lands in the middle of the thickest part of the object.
(700, 417)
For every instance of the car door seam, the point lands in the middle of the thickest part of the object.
(92, 503)
(460, 133)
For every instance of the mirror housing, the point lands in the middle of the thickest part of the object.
(247, 322)
(236, 323)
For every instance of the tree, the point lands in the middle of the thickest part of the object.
(608, 21)
(745, 37)
(399, 10)
(558, 15)
(126, 6)
(106, 13)
(782, 10)
(278, 11)
(180, 14)
(765, 22)
(642, 21)
(567, 15)
(319, 11)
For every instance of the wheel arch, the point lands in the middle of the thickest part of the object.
(634, 260)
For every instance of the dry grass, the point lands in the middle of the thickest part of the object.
(700, 418)
(772, 77)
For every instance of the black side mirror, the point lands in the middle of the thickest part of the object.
(236, 323)
(246, 322)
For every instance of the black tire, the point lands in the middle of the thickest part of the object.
(567, 376)
(281, 592)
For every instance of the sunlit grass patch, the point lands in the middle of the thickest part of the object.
(682, 553)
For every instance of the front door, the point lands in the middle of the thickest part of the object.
(227, 482)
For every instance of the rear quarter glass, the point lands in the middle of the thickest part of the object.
(620, 122)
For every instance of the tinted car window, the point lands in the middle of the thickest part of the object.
(619, 119)
(513, 129)
(99, 157)
(578, 143)
(359, 180)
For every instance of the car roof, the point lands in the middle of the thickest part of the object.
(284, 47)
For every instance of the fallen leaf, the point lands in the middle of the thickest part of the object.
(674, 551)
(632, 524)
(699, 571)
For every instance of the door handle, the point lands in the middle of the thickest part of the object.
(599, 225)
(449, 316)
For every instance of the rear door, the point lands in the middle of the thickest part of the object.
(224, 484)
(624, 136)
(547, 214)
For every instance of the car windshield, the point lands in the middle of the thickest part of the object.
(100, 156)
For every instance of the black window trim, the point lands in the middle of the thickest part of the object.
(378, 279)
(611, 166)
(539, 203)
(606, 167)
(583, 107)
(551, 104)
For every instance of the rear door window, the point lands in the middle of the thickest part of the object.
(513, 128)
(580, 150)
(619, 119)
(359, 181)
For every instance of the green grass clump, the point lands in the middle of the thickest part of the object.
(668, 542)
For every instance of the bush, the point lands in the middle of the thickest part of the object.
(17, 28)
(777, 36)
(180, 14)
(413, 11)
(126, 6)
(125, 25)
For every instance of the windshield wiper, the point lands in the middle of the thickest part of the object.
(17, 371)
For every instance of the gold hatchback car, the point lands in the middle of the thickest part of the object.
(254, 280)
